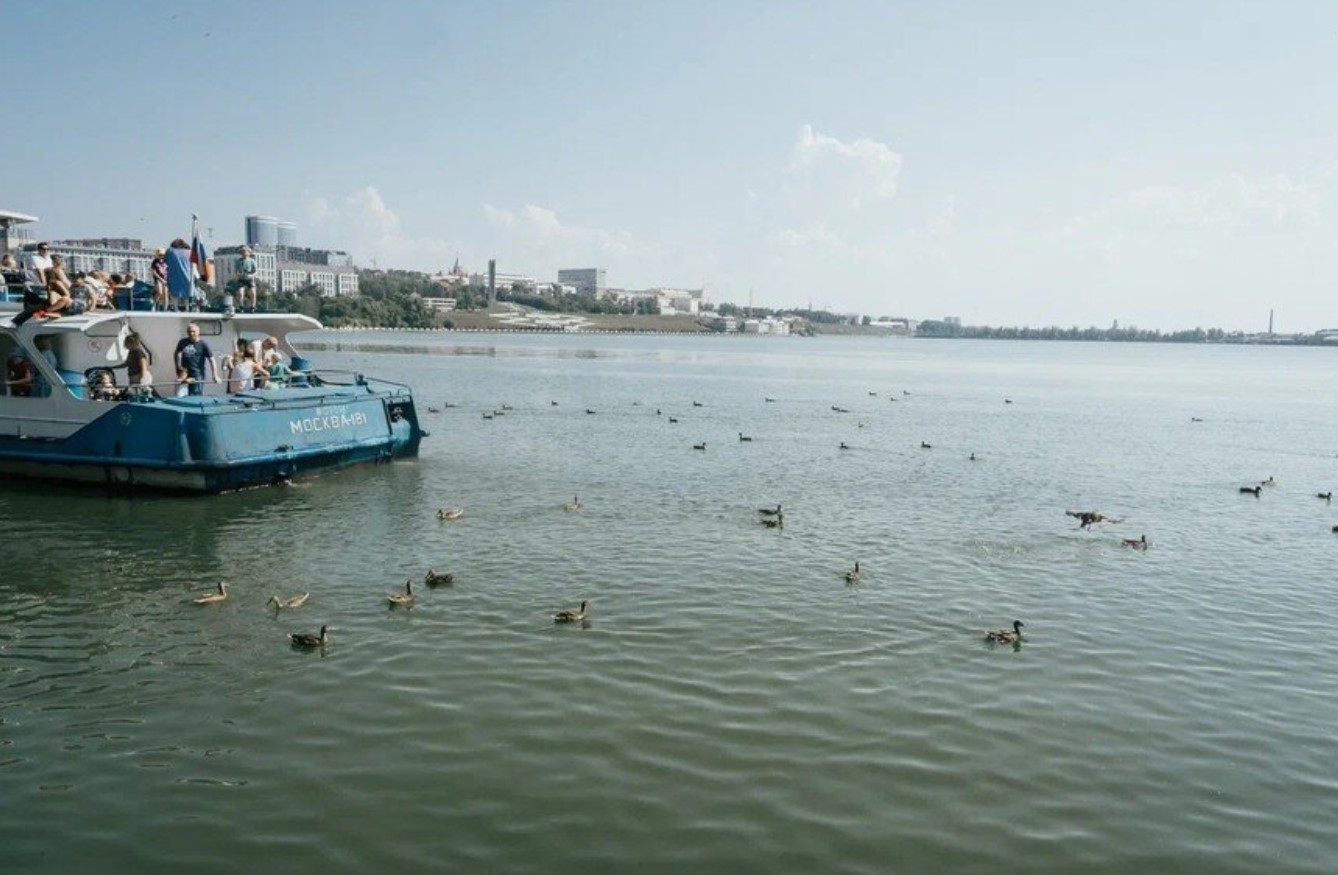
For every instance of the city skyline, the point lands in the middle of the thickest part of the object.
(1039, 164)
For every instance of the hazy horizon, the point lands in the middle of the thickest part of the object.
(1034, 164)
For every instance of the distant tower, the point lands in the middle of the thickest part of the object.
(287, 233)
(492, 281)
(262, 231)
(1270, 321)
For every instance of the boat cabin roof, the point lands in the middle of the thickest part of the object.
(97, 339)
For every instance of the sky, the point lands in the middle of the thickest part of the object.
(1160, 165)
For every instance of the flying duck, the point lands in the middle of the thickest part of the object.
(574, 504)
(402, 598)
(1088, 518)
(432, 578)
(450, 513)
(296, 601)
(570, 616)
(1006, 636)
(214, 597)
(306, 639)
(853, 575)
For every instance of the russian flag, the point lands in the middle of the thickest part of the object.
(199, 256)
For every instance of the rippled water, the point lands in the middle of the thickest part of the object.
(732, 705)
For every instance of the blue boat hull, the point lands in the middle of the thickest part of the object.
(215, 445)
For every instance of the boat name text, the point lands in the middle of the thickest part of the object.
(329, 422)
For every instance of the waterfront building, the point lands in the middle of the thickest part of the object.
(113, 254)
(769, 325)
(289, 268)
(225, 265)
(506, 281)
(587, 280)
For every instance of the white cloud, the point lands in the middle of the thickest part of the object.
(365, 226)
(867, 169)
(539, 226)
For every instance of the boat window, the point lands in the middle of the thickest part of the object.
(210, 327)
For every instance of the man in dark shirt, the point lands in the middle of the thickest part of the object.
(196, 357)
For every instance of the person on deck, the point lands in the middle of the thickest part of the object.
(180, 277)
(137, 361)
(158, 268)
(19, 373)
(246, 268)
(39, 261)
(194, 356)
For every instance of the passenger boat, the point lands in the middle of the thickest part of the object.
(56, 428)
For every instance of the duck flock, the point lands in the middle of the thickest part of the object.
(769, 517)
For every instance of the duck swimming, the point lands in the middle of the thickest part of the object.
(1253, 490)
(574, 504)
(450, 513)
(744, 437)
(432, 578)
(306, 639)
(296, 601)
(1006, 636)
(770, 511)
(1139, 543)
(214, 597)
(1327, 496)
(402, 598)
(853, 575)
(570, 616)
(926, 445)
(700, 446)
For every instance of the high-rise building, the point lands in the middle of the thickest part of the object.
(287, 233)
(262, 231)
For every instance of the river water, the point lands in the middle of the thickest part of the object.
(731, 703)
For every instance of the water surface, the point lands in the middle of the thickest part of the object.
(732, 704)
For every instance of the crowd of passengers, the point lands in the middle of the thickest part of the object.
(65, 295)
(254, 364)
